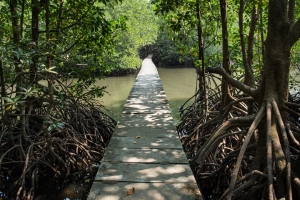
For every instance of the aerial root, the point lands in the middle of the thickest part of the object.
(258, 117)
(296, 181)
(226, 162)
(253, 189)
(286, 148)
(269, 106)
(243, 186)
(205, 149)
(73, 147)
(269, 152)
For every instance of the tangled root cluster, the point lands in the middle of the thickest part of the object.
(234, 158)
(76, 139)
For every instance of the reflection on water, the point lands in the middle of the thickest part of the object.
(118, 90)
(179, 85)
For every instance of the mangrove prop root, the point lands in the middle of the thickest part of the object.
(286, 148)
(225, 161)
(27, 155)
(269, 152)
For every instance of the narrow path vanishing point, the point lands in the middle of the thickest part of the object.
(145, 159)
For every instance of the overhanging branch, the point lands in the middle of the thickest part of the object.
(70, 47)
(239, 85)
(295, 32)
(68, 27)
(291, 10)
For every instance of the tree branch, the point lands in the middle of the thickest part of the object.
(59, 19)
(242, 38)
(2, 80)
(239, 85)
(68, 49)
(262, 39)
(226, 54)
(254, 19)
(67, 27)
(57, 30)
(293, 105)
(291, 136)
(291, 11)
(291, 111)
(295, 32)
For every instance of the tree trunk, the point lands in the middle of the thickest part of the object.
(276, 72)
(3, 92)
(201, 73)
(275, 85)
(35, 37)
(16, 38)
(226, 55)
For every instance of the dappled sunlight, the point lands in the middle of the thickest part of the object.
(144, 158)
(160, 171)
(157, 143)
(145, 155)
(137, 106)
(146, 142)
(157, 120)
(147, 191)
(138, 172)
(140, 160)
(124, 131)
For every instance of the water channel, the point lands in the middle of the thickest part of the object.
(179, 84)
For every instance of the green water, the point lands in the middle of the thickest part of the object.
(179, 85)
(118, 89)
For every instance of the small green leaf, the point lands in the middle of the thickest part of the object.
(8, 99)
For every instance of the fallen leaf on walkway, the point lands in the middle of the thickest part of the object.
(137, 137)
(131, 191)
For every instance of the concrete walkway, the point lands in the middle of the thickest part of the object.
(145, 152)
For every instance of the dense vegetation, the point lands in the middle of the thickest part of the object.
(141, 29)
(242, 132)
(51, 51)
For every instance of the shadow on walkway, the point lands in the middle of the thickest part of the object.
(145, 154)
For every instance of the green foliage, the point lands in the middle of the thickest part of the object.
(165, 52)
(57, 124)
(44, 45)
(86, 39)
(181, 23)
(81, 40)
(141, 28)
(12, 103)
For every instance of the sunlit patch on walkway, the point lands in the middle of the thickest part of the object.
(145, 159)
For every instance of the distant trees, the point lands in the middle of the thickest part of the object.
(141, 28)
(165, 52)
